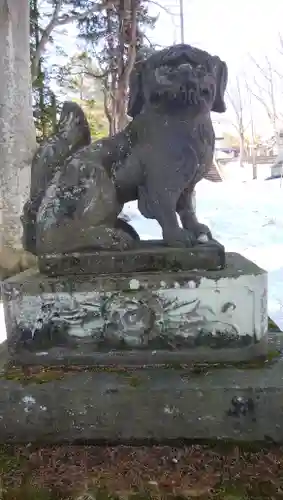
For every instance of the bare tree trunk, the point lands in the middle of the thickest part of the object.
(254, 163)
(127, 46)
(279, 141)
(112, 76)
(17, 131)
(236, 99)
(54, 112)
(266, 96)
(58, 18)
(121, 48)
(242, 155)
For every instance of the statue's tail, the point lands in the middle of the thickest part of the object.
(72, 134)
(214, 173)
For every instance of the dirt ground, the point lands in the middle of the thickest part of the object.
(155, 472)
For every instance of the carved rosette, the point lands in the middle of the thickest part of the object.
(130, 320)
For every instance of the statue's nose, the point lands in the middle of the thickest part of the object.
(161, 77)
(185, 67)
(208, 81)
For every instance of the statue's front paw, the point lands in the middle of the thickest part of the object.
(179, 238)
(202, 233)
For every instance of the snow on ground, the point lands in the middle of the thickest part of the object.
(245, 215)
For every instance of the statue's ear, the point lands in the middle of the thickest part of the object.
(221, 70)
(136, 95)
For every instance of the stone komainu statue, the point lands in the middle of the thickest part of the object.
(78, 188)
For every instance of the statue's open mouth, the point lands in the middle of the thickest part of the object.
(193, 96)
(185, 95)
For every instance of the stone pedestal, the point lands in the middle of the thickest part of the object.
(134, 405)
(276, 170)
(157, 318)
(140, 356)
(149, 256)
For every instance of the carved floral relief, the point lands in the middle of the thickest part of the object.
(121, 320)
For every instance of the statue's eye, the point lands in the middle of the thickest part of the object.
(201, 68)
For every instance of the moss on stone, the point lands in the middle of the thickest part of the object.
(37, 377)
(134, 381)
(41, 375)
(9, 461)
(257, 363)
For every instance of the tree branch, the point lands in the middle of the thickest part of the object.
(152, 46)
(96, 76)
(262, 71)
(44, 39)
(55, 21)
(266, 96)
(262, 101)
(67, 19)
(106, 106)
(132, 48)
(235, 98)
(165, 9)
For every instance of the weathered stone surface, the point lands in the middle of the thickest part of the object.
(148, 256)
(99, 237)
(72, 134)
(15, 261)
(138, 318)
(242, 404)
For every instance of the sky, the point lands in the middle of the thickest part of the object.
(229, 29)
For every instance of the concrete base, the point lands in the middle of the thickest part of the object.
(276, 170)
(138, 319)
(132, 405)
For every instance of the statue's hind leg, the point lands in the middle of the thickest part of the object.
(128, 177)
(80, 211)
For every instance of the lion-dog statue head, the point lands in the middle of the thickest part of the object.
(181, 74)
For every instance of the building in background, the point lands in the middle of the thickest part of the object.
(226, 148)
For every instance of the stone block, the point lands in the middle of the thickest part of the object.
(129, 406)
(149, 256)
(276, 170)
(138, 318)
